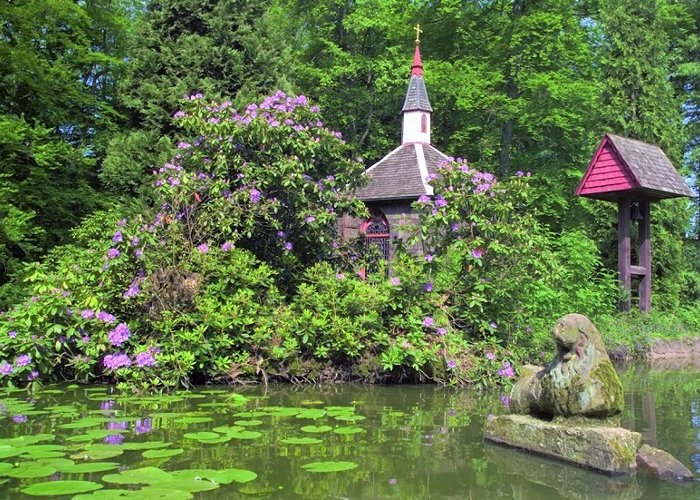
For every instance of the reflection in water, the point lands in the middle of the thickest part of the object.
(414, 442)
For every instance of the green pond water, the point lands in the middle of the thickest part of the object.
(332, 442)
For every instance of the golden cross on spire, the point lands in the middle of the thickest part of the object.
(418, 32)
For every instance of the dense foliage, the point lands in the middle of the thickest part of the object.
(220, 261)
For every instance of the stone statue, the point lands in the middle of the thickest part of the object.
(563, 411)
(579, 381)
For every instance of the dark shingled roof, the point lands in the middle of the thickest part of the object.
(416, 96)
(651, 168)
(398, 175)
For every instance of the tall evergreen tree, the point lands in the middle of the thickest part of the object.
(57, 65)
(639, 53)
(221, 48)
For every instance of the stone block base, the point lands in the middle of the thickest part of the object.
(612, 450)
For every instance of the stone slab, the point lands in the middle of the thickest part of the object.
(662, 464)
(612, 450)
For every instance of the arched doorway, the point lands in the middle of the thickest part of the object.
(376, 231)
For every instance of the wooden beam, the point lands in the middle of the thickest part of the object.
(645, 255)
(638, 270)
(624, 253)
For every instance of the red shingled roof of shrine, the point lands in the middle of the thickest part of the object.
(624, 167)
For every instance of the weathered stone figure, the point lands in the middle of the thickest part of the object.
(579, 381)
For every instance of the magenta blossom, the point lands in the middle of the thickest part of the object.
(113, 253)
(227, 246)
(114, 361)
(120, 334)
(428, 322)
(5, 368)
(23, 360)
(145, 359)
(477, 253)
(203, 248)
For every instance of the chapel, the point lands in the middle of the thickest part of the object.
(403, 175)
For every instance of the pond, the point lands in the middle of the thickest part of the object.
(339, 441)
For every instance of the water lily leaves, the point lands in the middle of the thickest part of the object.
(162, 453)
(228, 429)
(304, 440)
(10, 451)
(223, 476)
(43, 451)
(349, 418)
(55, 488)
(316, 428)
(146, 445)
(201, 435)
(244, 435)
(312, 413)
(97, 454)
(56, 462)
(348, 430)
(329, 466)
(84, 423)
(188, 485)
(158, 493)
(248, 423)
(219, 440)
(88, 467)
(30, 470)
(5, 466)
(282, 411)
(149, 492)
(144, 475)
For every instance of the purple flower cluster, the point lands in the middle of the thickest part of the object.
(115, 361)
(506, 370)
(146, 358)
(23, 360)
(6, 368)
(119, 334)
(134, 288)
(143, 426)
(428, 322)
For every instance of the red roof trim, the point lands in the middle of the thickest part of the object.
(417, 68)
(634, 183)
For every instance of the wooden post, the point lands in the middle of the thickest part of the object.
(624, 253)
(645, 255)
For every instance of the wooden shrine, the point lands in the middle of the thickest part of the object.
(633, 174)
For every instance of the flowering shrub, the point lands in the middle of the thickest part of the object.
(175, 294)
(505, 276)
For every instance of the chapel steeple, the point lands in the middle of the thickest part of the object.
(416, 109)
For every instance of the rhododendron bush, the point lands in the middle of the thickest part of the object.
(236, 272)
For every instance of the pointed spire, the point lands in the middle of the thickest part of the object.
(417, 68)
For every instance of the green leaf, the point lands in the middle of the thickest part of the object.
(57, 488)
(329, 466)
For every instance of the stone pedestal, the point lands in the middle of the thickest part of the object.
(612, 450)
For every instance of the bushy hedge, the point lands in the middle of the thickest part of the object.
(237, 272)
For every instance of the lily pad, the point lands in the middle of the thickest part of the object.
(223, 476)
(350, 418)
(316, 428)
(348, 430)
(162, 493)
(245, 435)
(304, 440)
(162, 453)
(89, 467)
(248, 423)
(312, 413)
(97, 454)
(144, 475)
(329, 466)
(30, 470)
(146, 445)
(56, 488)
(228, 429)
(201, 435)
